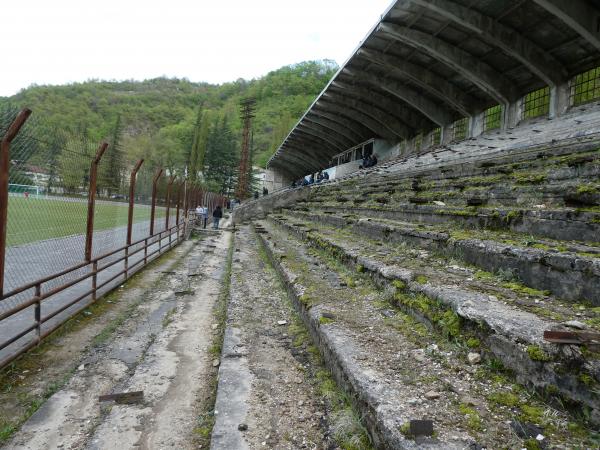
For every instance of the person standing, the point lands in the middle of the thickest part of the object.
(217, 215)
(199, 211)
(205, 215)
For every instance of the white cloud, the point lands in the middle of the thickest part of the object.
(61, 41)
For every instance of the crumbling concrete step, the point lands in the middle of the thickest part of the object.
(567, 275)
(395, 369)
(564, 224)
(511, 335)
(267, 395)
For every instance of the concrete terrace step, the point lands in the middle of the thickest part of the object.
(510, 334)
(395, 369)
(568, 275)
(267, 395)
(437, 265)
(565, 224)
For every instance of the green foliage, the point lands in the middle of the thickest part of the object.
(473, 343)
(537, 354)
(325, 320)
(160, 119)
(421, 279)
(504, 398)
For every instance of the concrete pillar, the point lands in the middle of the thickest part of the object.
(513, 113)
(447, 134)
(559, 100)
(476, 124)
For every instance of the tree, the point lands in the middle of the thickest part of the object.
(112, 165)
(195, 160)
(221, 157)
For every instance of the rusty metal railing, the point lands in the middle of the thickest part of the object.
(94, 275)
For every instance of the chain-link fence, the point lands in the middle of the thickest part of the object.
(77, 218)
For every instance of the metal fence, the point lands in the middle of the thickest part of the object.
(76, 221)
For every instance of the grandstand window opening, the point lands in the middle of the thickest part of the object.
(585, 87)
(492, 118)
(460, 129)
(436, 137)
(536, 103)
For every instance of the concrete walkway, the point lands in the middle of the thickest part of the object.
(30, 262)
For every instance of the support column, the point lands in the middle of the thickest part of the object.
(476, 124)
(513, 113)
(560, 100)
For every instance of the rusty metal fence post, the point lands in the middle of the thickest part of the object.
(89, 234)
(12, 132)
(153, 208)
(38, 312)
(130, 213)
(168, 202)
(132, 199)
(179, 190)
(169, 187)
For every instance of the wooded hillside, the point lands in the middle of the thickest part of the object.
(175, 122)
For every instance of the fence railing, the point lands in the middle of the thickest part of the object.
(64, 284)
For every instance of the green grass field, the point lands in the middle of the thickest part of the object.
(32, 219)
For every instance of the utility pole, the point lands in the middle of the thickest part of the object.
(247, 113)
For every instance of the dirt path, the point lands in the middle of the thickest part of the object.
(268, 393)
(161, 349)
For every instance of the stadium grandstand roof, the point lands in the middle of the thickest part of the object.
(428, 63)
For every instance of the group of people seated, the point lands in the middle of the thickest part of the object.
(321, 177)
(368, 161)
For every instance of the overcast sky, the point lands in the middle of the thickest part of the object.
(62, 41)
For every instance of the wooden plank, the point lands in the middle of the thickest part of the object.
(123, 397)
(421, 427)
(572, 337)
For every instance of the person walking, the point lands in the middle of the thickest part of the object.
(217, 215)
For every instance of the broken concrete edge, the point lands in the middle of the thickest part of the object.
(362, 395)
(553, 224)
(568, 276)
(231, 388)
(513, 337)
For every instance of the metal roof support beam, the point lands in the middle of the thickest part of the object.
(325, 134)
(350, 124)
(310, 158)
(319, 143)
(426, 80)
(359, 116)
(485, 77)
(382, 117)
(436, 113)
(317, 139)
(298, 157)
(510, 41)
(402, 111)
(315, 146)
(577, 14)
(312, 149)
(334, 126)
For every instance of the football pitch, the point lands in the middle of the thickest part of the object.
(35, 219)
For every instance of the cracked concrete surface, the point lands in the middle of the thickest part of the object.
(161, 349)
